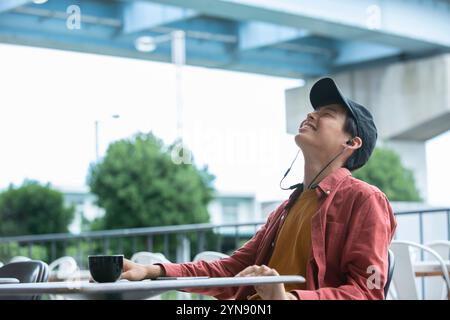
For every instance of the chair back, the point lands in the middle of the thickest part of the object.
(26, 272)
(145, 257)
(404, 273)
(209, 256)
(19, 259)
(404, 279)
(63, 268)
(391, 266)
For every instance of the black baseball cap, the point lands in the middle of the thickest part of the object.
(324, 92)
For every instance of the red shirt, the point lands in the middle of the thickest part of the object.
(350, 233)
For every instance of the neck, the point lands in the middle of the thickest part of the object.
(313, 166)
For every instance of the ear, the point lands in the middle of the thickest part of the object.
(356, 144)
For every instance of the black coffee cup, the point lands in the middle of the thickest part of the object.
(106, 268)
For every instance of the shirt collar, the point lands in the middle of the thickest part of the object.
(330, 182)
(324, 188)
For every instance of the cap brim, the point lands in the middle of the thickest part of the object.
(325, 92)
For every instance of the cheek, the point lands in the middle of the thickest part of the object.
(331, 134)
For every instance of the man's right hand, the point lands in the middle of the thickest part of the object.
(136, 272)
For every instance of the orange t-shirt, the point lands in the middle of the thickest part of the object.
(293, 244)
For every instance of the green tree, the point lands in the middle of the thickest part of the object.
(33, 209)
(385, 170)
(139, 185)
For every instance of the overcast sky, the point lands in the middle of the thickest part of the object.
(234, 122)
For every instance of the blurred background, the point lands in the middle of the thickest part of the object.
(166, 126)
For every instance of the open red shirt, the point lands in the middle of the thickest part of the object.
(351, 233)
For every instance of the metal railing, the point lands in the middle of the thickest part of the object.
(421, 213)
(176, 242)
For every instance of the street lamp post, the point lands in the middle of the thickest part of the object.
(97, 124)
(180, 154)
(96, 141)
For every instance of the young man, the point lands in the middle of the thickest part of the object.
(334, 230)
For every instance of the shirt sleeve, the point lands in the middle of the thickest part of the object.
(228, 267)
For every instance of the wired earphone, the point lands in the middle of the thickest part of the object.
(348, 143)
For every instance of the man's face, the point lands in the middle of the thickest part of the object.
(323, 130)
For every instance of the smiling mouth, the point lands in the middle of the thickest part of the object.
(307, 125)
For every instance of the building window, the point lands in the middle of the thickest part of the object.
(230, 212)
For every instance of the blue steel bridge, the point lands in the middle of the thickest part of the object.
(289, 38)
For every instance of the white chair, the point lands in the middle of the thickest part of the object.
(19, 259)
(63, 268)
(442, 247)
(435, 288)
(145, 257)
(209, 256)
(404, 279)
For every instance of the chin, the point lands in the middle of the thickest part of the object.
(305, 141)
(299, 140)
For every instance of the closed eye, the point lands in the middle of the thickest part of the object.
(327, 113)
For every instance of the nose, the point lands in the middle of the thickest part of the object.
(311, 115)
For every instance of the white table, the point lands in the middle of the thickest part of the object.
(8, 280)
(429, 268)
(124, 290)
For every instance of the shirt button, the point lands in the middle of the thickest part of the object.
(327, 192)
(273, 244)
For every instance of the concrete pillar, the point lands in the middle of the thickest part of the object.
(410, 102)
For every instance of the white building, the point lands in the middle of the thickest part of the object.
(85, 206)
(224, 208)
(234, 208)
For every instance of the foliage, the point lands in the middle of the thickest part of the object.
(385, 170)
(33, 209)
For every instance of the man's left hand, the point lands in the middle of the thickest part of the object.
(267, 291)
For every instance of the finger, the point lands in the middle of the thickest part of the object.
(127, 264)
(247, 274)
(253, 271)
(267, 271)
(264, 270)
(275, 272)
(259, 290)
(128, 275)
(247, 271)
(256, 271)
